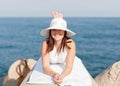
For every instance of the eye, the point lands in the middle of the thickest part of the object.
(53, 30)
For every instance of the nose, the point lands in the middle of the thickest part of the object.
(56, 31)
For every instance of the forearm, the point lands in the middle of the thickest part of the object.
(66, 72)
(49, 71)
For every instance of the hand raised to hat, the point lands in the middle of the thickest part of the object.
(57, 15)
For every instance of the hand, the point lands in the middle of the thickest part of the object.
(58, 78)
(57, 15)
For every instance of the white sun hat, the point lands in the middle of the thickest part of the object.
(57, 23)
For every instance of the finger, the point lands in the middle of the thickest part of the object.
(57, 14)
(54, 14)
(61, 77)
(58, 82)
(60, 15)
(56, 76)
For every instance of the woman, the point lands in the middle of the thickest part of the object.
(58, 63)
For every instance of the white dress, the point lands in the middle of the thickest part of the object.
(79, 76)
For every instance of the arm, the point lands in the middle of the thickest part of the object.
(69, 59)
(69, 63)
(46, 60)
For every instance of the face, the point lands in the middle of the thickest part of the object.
(57, 34)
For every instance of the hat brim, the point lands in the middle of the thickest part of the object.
(45, 32)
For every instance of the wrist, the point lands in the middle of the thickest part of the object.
(62, 75)
(54, 74)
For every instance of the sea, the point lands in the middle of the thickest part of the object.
(97, 40)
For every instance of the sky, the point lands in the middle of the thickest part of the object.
(70, 8)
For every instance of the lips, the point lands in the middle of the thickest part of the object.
(57, 34)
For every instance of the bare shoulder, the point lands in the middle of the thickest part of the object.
(44, 44)
(44, 47)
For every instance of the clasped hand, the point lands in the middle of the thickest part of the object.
(57, 78)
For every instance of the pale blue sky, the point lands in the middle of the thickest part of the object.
(81, 8)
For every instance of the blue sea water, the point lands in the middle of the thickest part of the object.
(97, 41)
